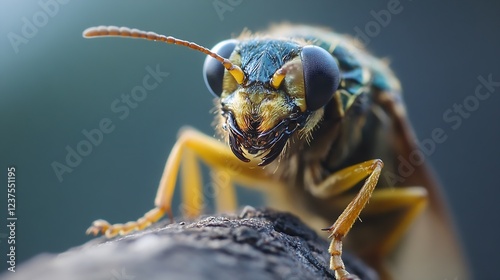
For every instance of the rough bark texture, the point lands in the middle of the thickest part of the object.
(257, 244)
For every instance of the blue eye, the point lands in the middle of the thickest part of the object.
(321, 76)
(213, 71)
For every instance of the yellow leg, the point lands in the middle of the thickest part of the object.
(190, 145)
(336, 183)
(406, 203)
(385, 220)
(411, 201)
(223, 189)
(192, 191)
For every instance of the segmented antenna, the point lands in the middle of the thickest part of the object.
(115, 31)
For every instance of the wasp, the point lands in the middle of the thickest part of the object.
(316, 122)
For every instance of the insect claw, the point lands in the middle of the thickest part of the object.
(98, 226)
(92, 230)
(330, 229)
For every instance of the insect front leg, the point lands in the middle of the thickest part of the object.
(190, 146)
(339, 182)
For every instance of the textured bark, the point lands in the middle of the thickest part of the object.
(257, 244)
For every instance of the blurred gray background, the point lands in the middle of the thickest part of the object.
(54, 84)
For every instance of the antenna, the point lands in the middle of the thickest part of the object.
(115, 31)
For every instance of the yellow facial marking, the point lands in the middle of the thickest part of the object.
(237, 74)
(277, 78)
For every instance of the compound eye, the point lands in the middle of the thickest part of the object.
(213, 71)
(321, 76)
